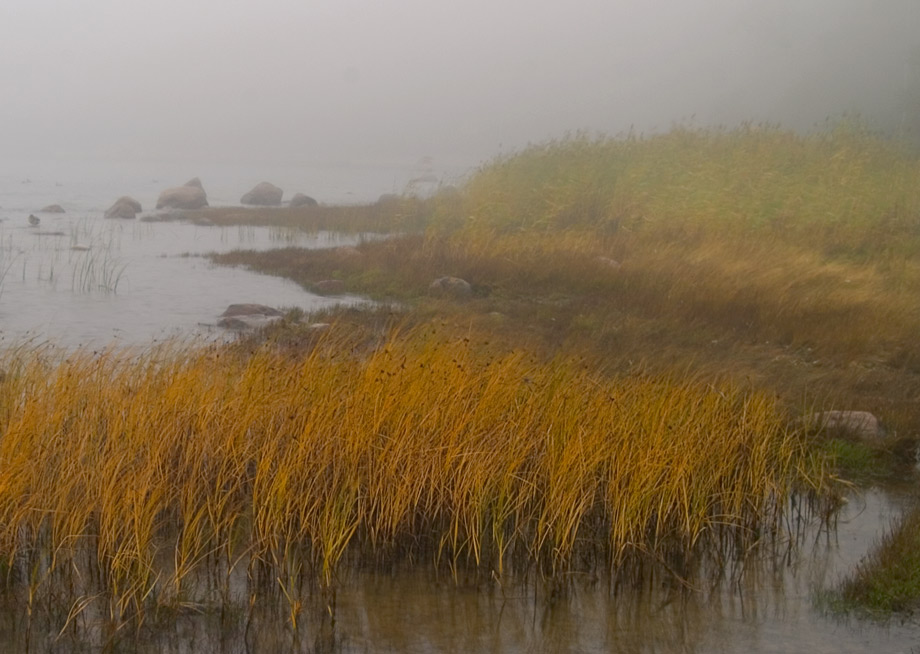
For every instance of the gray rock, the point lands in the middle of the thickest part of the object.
(853, 424)
(195, 183)
(124, 207)
(237, 310)
(329, 287)
(301, 200)
(52, 208)
(183, 197)
(263, 194)
(450, 286)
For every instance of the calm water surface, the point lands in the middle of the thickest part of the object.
(773, 609)
(77, 278)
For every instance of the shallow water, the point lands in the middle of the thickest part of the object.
(771, 608)
(82, 280)
(77, 278)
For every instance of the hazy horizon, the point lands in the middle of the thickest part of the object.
(348, 81)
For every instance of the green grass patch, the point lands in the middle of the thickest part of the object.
(858, 461)
(888, 580)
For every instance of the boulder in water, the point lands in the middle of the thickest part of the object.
(240, 317)
(123, 207)
(263, 194)
(237, 310)
(301, 200)
(190, 196)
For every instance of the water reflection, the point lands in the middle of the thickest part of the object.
(770, 608)
(86, 280)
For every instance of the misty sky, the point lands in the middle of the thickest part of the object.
(361, 81)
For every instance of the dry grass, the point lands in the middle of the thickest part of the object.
(132, 475)
(795, 255)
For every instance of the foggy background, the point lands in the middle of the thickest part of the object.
(291, 81)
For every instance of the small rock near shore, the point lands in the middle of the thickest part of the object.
(450, 286)
(301, 200)
(52, 208)
(123, 207)
(190, 196)
(263, 194)
(237, 310)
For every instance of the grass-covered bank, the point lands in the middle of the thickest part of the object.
(887, 581)
(786, 260)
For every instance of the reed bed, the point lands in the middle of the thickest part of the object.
(842, 189)
(150, 479)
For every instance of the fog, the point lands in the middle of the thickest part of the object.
(378, 82)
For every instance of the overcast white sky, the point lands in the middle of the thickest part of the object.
(393, 80)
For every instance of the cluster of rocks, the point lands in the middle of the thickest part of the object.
(191, 196)
(266, 194)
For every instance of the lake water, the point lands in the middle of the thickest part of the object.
(79, 279)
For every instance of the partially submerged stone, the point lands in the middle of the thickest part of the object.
(52, 208)
(240, 317)
(301, 200)
(263, 194)
(190, 196)
(123, 207)
(236, 310)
